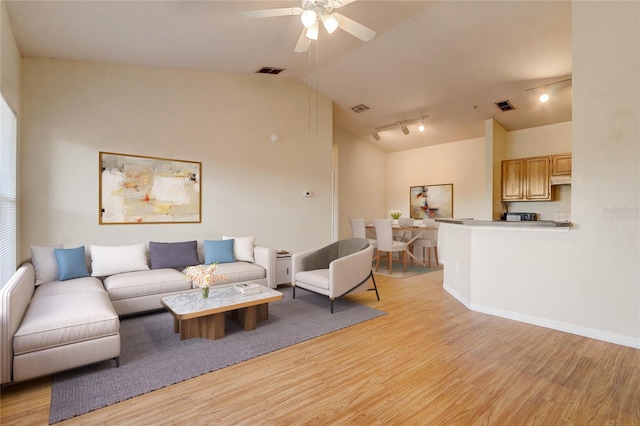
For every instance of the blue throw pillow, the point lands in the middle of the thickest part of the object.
(71, 263)
(220, 251)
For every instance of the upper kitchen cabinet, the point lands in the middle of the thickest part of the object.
(526, 179)
(561, 169)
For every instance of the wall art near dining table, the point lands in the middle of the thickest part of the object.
(431, 201)
(139, 189)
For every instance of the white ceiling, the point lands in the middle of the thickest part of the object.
(450, 60)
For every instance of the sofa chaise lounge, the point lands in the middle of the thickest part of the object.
(52, 321)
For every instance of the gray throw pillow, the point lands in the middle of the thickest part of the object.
(173, 255)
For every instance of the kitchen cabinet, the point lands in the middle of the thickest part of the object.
(561, 165)
(512, 180)
(526, 179)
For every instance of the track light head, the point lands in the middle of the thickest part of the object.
(404, 129)
(422, 126)
(375, 135)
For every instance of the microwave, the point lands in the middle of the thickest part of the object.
(518, 217)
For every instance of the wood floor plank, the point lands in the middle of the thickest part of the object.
(428, 361)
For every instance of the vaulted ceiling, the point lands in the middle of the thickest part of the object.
(448, 60)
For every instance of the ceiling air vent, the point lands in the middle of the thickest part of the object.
(269, 70)
(505, 105)
(360, 108)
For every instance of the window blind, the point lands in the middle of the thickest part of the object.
(8, 201)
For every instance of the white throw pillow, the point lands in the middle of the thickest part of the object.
(44, 263)
(242, 248)
(111, 260)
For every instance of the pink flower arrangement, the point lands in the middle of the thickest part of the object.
(203, 275)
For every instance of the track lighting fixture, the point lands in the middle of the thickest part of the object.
(402, 125)
(421, 126)
(545, 95)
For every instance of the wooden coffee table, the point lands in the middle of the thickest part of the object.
(194, 316)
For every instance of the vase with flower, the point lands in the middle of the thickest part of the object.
(203, 276)
(395, 215)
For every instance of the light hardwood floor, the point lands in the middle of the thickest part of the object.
(430, 361)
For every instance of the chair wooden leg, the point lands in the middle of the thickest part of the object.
(435, 252)
(404, 260)
(390, 261)
(378, 261)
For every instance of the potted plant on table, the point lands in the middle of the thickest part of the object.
(395, 215)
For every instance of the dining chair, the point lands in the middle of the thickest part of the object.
(359, 230)
(404, 222)
(386, 244)
(428, 241)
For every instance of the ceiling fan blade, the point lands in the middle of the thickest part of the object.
(268, 13)
(354, 28)
(339, 3)
(303, 42)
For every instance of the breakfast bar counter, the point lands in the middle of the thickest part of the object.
(506, 223)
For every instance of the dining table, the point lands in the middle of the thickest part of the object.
(416, 231)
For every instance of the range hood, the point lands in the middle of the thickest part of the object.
(561, 180)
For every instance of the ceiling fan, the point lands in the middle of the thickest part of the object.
(311, 14)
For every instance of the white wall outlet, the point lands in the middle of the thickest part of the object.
(306, 193)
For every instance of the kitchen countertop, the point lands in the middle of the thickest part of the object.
(521, 224)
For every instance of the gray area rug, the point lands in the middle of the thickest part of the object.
(153, 357)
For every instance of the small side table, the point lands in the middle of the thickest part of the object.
(283, 268)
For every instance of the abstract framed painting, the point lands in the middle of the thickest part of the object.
(139, 189)
(431, 201)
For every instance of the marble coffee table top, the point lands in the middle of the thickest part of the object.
(219, 300)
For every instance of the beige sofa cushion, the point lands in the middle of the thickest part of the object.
(70, 318)
(240, 271)
(142, 283)
(75, 285)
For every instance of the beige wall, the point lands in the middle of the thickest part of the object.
(585, 281)
(460, 163)
(250, 185)
(362, 181)
(9, 61)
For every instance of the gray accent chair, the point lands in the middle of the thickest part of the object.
(334, 270)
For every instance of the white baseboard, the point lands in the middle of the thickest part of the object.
(544, 322)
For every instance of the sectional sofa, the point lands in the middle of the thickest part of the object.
(61, 310)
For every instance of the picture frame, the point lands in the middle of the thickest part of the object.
(135, 189)
(431, 201)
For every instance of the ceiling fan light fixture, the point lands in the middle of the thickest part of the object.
(330, 23)
(312, 32)
(308, 18)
